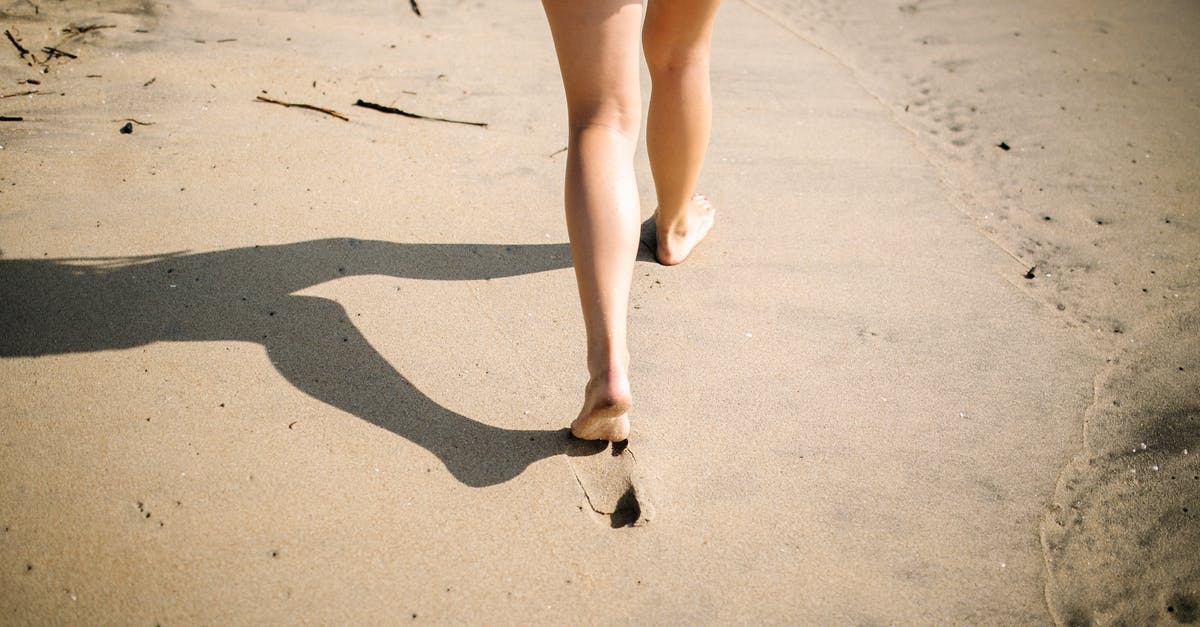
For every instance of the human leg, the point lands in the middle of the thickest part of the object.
(677, 37)
(597, 46)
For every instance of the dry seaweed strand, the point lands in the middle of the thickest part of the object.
(415, 9)
(19, 93)
(416, 116)
(299, 105)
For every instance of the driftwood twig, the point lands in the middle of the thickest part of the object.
(416, 9)
(21, 49)
(305, 106)
(385, 109)
(19, 93)
(86, 28)
(55, 52)
(8, 118)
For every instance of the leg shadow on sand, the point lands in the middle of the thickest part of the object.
(57, 306)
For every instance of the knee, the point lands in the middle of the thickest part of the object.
(619, 117)
(668, 54)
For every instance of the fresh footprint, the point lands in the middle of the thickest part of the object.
(611, 481)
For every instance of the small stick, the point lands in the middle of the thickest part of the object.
(558, 152)
(5, 118)
(79, 30)
(20, 93)
(20, 48)
(383, 109)
(55, 52)
(416, 9)
(138, 122)
(306, 106)
(149, 82)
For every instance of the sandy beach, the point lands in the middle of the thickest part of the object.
(268, 355)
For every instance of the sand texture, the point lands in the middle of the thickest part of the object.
(1068, 132)
(937, 363)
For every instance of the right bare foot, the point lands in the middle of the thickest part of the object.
(606, 403)
(676, 240)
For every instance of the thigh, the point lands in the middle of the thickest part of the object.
(598, 45)
(678, 27)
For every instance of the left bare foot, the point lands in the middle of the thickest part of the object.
(677, 239)
(605, 413)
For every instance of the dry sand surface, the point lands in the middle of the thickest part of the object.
(938, 363)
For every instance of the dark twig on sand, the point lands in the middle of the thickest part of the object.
(149, 82)
(21, 49)
(138, 122)
(384, 109)
(87, 28)
(306, 106)
(55, 52)
(416, 9)
(19, 93)
(6, 118)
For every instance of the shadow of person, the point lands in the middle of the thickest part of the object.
(57, 306)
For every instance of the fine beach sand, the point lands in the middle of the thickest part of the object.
(939, 362)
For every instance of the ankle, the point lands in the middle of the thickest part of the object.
(607, 360)
(609, 372)
(669, 218)
(609, 389)
(677, 217)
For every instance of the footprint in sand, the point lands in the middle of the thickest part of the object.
(612, 484)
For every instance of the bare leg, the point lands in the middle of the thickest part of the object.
(677, 38)
(597, 45)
